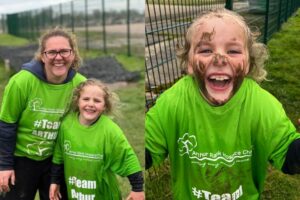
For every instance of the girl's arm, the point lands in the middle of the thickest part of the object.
(57, 174)
(292, 159)
(136, 181)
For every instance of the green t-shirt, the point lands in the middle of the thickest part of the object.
(37, 107)
(92, 156)
(218, 152)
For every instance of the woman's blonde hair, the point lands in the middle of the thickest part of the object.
(58, 31)
(111, 99)
(258, 53)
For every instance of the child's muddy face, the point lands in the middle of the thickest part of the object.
(218, 58)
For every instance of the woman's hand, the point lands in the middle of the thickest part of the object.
(7, 177)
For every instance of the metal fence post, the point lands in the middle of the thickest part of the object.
(229, 4)
(286, 10)
(31, 22)
(103, 27)
(265, 40)
(72, 16)
(37, 23)
(279, 15)
(128, 29)
(51, 15)
(86, 26)
(60, 13)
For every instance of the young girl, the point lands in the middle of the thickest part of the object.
(92, 149)
(219, 128)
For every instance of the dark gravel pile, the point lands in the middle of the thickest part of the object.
(17, 55)
(107, 69)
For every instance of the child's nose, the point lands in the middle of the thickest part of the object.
(91, 103)
(219, 60)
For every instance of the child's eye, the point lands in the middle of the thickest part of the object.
(205, 51)
(234, 52)
(85, 99)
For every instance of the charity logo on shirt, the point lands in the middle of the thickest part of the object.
(188, 143)
(80, 154)
(36, 105)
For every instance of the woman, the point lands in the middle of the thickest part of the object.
(34, 102)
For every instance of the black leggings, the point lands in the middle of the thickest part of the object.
(31, 176)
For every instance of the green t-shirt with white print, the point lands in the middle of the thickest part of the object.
(92, 155)
(37, 107)
(218, 152)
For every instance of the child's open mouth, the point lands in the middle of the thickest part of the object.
(219, 82)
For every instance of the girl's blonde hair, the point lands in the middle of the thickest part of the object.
(58, 31)
(111, 99)
(258, 53)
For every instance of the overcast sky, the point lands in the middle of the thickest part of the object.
(14, 6)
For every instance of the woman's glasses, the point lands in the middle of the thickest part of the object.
(63, 53)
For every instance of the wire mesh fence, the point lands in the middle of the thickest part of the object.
(112, 26)
(165, 25)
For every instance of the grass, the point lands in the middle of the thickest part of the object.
(284, 73)
(10, 40)
(132, 122)
(132, 115)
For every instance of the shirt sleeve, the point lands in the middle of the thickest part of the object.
(7, 144)
(156, 142)
(284, 133)
(13, 103)
(123, 160)
(59, 148)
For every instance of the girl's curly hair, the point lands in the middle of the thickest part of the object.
(111, 99)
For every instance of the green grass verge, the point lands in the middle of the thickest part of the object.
(10, 40)
(284, 74)
(131, 122)
(132, 115)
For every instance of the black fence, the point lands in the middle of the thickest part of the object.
(166, 22)
(111, 26)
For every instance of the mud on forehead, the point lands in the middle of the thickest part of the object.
(203, 22)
